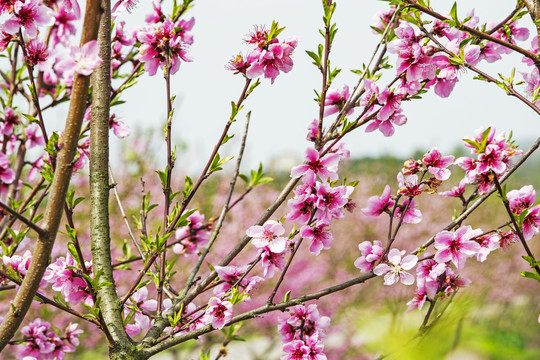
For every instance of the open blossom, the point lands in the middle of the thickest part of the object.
(522, 199)
(377, 205)
(331, 201)
(320, 237)
(119, 129)
(7, 175)
(65, 277)
(302, 320)
(437, 164)
(41, 342)
(325, 166)
(268, 235)
(192, 236)
(456, 246)
(271, 261)
(335, 100)
(302, 204)
(36, 53)
(122, 6)
(371, 253)
(82, 60)
(396, 269)
(412, 214)
(218, 313)
(28, 14)
(34, 136)
(161, 43)
(271, 59)
(531, 223)
(409, 186)
(487, 245)
(456, 191)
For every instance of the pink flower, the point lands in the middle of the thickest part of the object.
(320, 237)
(65, 276)
(315, 348)
(28, 14)
(326, 167)
(396, 269)
(271, 59)
(192, 236)
(487, 245)
(370, 255)
(120, 129)
(531, 223)
(82, 60)
(331, 201)
(456, 191)
(271, 261)
(36, 53)
(123, 6)
(33, 136)
(377, 205)
(295, 350)
(456, 246)
(409, 186)
(218, 313)
(302, 204)
(10, 120)
(160, 43)
(390, 101)
(335, 100)
(437, 164)
(268, 235)
(157, 15)
(520, 200)
(6, 174)
(412, 215)
(386, 127)
(417, 302)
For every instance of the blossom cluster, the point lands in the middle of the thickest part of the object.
(268, 57)
(302, 333)
(41, 342)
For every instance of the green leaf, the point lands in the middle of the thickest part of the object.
(188, 186)
(530, 275)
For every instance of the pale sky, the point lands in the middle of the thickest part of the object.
(281, 112)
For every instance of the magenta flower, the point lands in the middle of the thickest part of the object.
(295, 350)
(377, 205)
(531, 223)
(33, 136)
(268, 235)
(192, 236)
(331, 201)
(507, 239)
(396, 269)
(335, 100)
(272, 60)
(437, 164)
(36, 53)
(160, 43)
(218, 313)
(315, 348)
(6, 174)
(320, 237)
(520, 200)
(313, 130)
(409, 186)
(456, 246)
(229, 275)
(156, 15)
(418, 301)
(28, 14)
(487, 245)
(65, 277)
(271, 261)
(122, 6)
(412, 215)
(429, 270)
(120, 129)
(325, 167)
(303, 321)
(370, 255)
(386, 127)
(390, 100)
(82, 60)
(456, 191)
(10, 119)
(302, 204)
